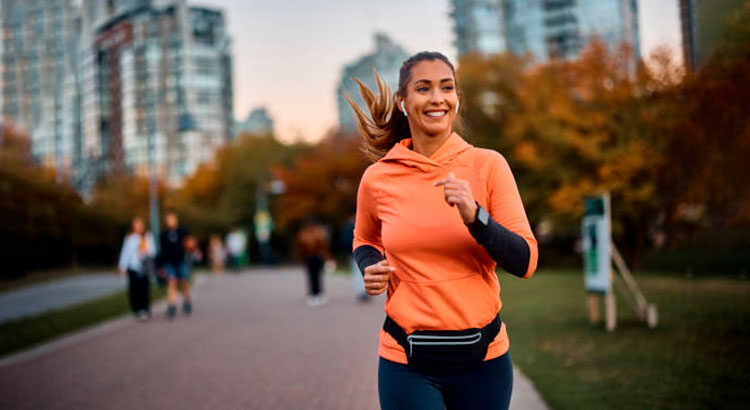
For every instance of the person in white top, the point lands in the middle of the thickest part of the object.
(136, 260)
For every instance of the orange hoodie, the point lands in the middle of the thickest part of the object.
(443, 279)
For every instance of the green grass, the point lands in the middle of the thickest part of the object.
(27, 332)
(696, 358)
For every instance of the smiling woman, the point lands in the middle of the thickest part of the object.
(435, 216)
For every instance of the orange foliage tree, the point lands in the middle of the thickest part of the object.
(606, 122)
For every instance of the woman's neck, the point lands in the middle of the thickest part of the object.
(427, 144)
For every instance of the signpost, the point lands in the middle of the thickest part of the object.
(595, 234)
(598, 254)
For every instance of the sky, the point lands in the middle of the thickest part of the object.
(288, 54)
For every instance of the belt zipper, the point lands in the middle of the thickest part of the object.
(447, 340)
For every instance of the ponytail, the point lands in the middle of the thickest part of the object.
(385, 125)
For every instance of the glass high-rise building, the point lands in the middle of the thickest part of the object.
(97, 83)
(258, 122)
(545, 28)
(386, 58)
(157, 72)
(39, 79)
(703, 23)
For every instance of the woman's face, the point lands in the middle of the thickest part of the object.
(431, 97)
(137, 226)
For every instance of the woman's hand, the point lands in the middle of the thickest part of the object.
(458, 192)
(376, 277)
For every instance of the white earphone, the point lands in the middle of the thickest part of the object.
(457, 105)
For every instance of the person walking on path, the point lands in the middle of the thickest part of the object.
(136, 260)
(236, 248)
(172, 260)
(216, 254)
(435, 216)
(312, 247)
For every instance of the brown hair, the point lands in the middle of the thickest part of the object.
(387, 125)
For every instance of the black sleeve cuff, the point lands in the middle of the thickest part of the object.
(507, 248)
(365, 256)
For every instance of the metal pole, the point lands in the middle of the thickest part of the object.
(153, 181)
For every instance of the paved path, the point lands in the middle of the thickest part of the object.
(53, 295)
(251, 343)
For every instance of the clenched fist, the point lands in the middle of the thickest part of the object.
(376, 277)
(458, 192)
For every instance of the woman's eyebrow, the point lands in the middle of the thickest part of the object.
(424, 80)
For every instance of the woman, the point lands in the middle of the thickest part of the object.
(217, 254)
(136, 259)
(312, 247)
(435, 216)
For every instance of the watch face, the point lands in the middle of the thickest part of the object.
(483, 216)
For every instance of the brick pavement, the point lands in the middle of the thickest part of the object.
(252, 343)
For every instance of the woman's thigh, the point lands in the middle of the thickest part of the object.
(402, 388)
(485, 387)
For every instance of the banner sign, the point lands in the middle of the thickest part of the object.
(595, 234)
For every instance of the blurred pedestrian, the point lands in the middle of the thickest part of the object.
(172, 261)
(435, 216)
(236, 248)
(136, 260)
(193, 254)
(216, 254)
(312, 246)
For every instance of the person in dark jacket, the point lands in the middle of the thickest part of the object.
(172, 263)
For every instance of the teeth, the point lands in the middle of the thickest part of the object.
(436, 113)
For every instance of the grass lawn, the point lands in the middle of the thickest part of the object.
(27, 332)
(696, 358)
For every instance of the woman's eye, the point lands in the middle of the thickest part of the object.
(421, 89)
(448, 88)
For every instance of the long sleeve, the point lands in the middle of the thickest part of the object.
(507, 238)
(122, 264)
(367, 245)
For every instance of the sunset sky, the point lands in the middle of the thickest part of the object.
(288, 54)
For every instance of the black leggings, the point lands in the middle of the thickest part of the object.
(315, 265)
(485, 387)
(138, 291)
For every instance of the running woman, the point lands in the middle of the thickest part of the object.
(435, 216)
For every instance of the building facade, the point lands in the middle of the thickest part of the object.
(158, 82)
(547, 29)
(386, 58)
(39, 80)
(258, 122)
(149, 81)
(703, 23)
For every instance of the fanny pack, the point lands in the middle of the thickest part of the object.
(444, 350)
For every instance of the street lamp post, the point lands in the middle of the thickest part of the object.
(153, 191)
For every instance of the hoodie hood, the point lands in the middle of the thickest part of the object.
(403, 153)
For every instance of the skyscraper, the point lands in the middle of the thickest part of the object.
(157, 77)
(386, 58)
(98, 85)
(545, 28)
(258, 122)
(38, 77)
(703, 23)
